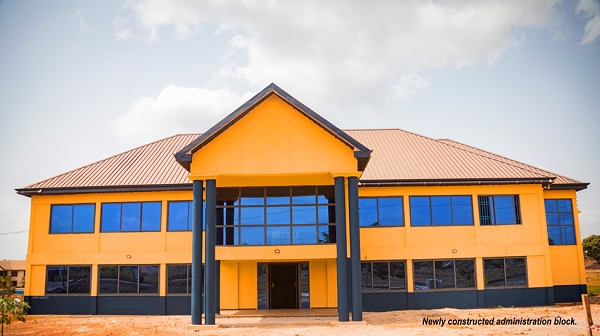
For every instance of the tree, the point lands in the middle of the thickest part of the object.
(591, 247)
(10, 309)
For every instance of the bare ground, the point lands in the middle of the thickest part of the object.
(389, 323)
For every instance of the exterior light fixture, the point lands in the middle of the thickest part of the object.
(454, 251)
(277, 251)
(128, 256)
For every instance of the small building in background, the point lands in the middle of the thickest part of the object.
(15, 269)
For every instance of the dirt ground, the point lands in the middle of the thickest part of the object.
(390, 323)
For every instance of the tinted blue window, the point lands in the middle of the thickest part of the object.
(252, 236)
(551, 205)
(462, 210)
(178, 216)
(151, 216)
(552, 218)
(560, 222)
(304, 215)
(390, 211)
(278, 235)
(564, 205)
(367, 210)
(326, 214)
(130, 216)
(304, 234)
(566, 219)
(111, 217)
(420, 211)
(505, 209)
(62, 216)
(253, 216)
(568, 235)
(441, 210)
(304, 195)
(325, 235)
(278, 215)
(83, 218)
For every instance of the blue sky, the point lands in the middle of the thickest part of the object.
(83, 80)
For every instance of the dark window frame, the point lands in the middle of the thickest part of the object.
(119, 279)
(506, 285)
(188, 283)
(489, 218)
(239, 205)
(559, 225)
(72, 218)
(455, 288)
(377, 198)
(68, 267)
(189, 215)
(372, 290)
(121, 216)
(431, 211)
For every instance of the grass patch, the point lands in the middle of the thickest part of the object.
(593, 290)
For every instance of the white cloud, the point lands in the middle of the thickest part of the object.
(345, 50)
(590, 10)
(176, 110)
(79, 15)
(409, 85)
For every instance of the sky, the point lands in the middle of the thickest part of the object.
(84, 80)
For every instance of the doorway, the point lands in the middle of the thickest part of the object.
(283, 286)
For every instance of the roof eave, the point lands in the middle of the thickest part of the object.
(569, 186)
(103, 189)
(448, 182)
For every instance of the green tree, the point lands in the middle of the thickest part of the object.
(10, 309)
(591, 247)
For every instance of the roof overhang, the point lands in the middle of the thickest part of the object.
(453, 182)
(103, 189)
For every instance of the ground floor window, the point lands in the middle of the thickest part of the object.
(128, 279)
(501, 272)
(383, 275)
(68, 279)
(179, 279)
(444, 274)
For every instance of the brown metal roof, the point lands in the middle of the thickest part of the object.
(397, 155)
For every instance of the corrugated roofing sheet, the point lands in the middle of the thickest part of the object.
(397, 155)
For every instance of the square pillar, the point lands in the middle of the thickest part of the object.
(340, 238)
(354, 249)
(197, 275)
(210, 263)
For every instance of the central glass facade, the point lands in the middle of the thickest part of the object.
(275, 216)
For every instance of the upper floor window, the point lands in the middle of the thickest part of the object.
(444, 274)
(497, 209)
(380, 211)
(441, 210)
(130, 217)
(68, 279)
(128, 279)
(561, 224)
(72, 218)
(503, 272)
(383, 275)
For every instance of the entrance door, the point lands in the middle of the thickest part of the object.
(283, 289)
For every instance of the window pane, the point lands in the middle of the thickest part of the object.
(564, 205)
(83, 218)
(190, 215)
(552, 218)
(326, 214)
(178, 216)
(568, 235)
(304, 215)
(462, 210)
(325, 195)
(278, 196)
(108, 279)
(79, 279)
(253, 216)
(62, 215)
(367, 211)
(56, 280)
(304, 234)
(190, 279)
(390, 211)
(278, 215)
(566, 219)
(493, 271)
(130, 216)
(505, 209)
(229, 195)
(419, 211)
(304, 195)
(397, 275)
(423, 275)
(516, 272)
(176, 279)
(441, 210)
(465, 273)
(380, 276)
(554, 235)
(551, 205)
(252, 236)
(151, 216)
(128, 279)
(278, 235)
(111, 217)
(365, 276)
(262, 285)
(444, 274)
(149, 279)
(326, 234)
(253, 196)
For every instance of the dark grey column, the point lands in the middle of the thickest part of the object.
(340, 238)
(197, 275)
(355, 248)
(218, 287)
(210, 264)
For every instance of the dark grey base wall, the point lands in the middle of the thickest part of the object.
(110, 305)
(569, 293)
(488, 298)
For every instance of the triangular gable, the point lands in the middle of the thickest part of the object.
(361, 152)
